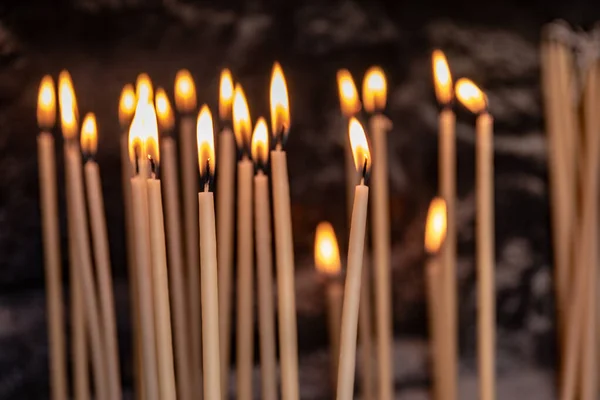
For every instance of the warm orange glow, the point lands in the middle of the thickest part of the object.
(442, 77)
(349, 102)
(374, 90)
(164, 112)
(185, 91)
(225, 95)
(67, 102)
(242, 125)
(471, 96)
(151, 126)
(89, 134)
(143, 88)
(280, 102)
(360, 146)
(435, 228)
(143, 133)
(327, 253)
(46, 107)
(206, 142)
(126, 105)
(260, 142)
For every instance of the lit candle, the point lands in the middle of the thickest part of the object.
(77, 216)
(185, 101)
(374, 99)
(356, 243)
(284, 241)
(225, 214)
(435, 231)
(46, 117)
(242, 128)
(208, 257)
(264, 262)
(472, 97)
(166, 122)
(328, 264)
(447, 190)
(95, 198)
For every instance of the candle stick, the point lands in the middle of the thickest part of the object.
(46, 117)
(242, 128)
(284, 242)
(208, 257)
(185, 100)
(349, 324)
(374, 99)
(470, 95)
(78, 223)
(328, 264)
(225, 215)
(264, 262)
(170, 183)
(89, 144)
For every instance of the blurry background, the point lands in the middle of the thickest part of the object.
(106, 43)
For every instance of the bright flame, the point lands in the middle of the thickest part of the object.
(260, 142)
(242, 125)
(89, 134)
(46, 107)
(67, 102)
(225, 95)
(349, 102)
(327, 253)
(206, 141)
(470, 95)
(151, 145)
(359, 144)
(185, 91)
(280, 102)
(143, 88)
(435, 228)
(143, 133)
(126, 105)
(374, 90)
(442, 77)
(164, 112)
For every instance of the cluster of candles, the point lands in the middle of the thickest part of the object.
(180, 253)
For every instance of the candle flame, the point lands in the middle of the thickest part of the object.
(280, 102)
(143, 133)
(151, 145)
(89, 134)
(225, 95)
(435, 228)
(185, 91)
(442, 77)
(242, 125)
(206, 142)
(143, 88)
(164, 112)
(69, 114)
(260, 142)
(127, 103)
(46, 106)
(349, 102)
(470, 96)
(360, 146)
(327, 253)
(374, 90)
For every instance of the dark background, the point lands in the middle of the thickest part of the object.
(106, 43)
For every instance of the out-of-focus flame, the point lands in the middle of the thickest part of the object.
(164, 112)
(435, 229)
(185, 92)
(143, 88)
(89, 134)
(46, 106)
(349, 102)
(126, 105)
(374, 90)
(69, 113)
(470, 96)
(242, 125)
(206, 142)
(442, 77)
(327, 253)
(280, 102)
(360, 146)
(225, 95)
(260, 142)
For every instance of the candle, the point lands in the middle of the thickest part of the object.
(447, 190)
(356, 243)
(175, 259)
(435, 233)
(46, 117)
(79, 231)
(328, 264)
(264, 262)
(208, 257)
(89, 144)
(374, 99)
(284, 242)
(143, 269)
(185, 101)
(242, 128)
(472, 97)
(225, 214)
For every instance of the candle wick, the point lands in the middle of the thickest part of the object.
(153, 167)
(364, 169)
